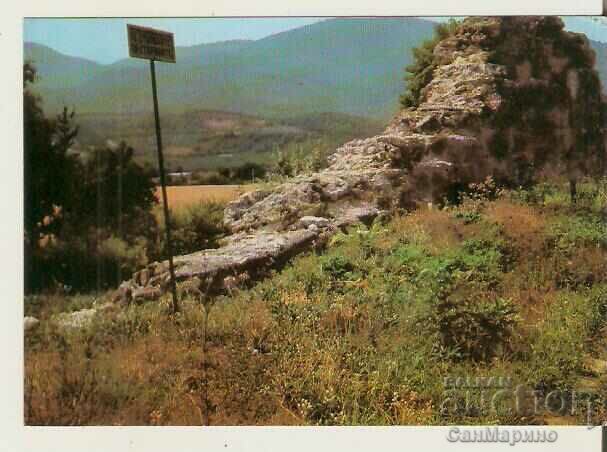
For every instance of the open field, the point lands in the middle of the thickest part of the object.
(185, 195)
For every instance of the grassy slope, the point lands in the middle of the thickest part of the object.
(352, 336)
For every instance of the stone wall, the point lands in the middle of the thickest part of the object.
(510, 97)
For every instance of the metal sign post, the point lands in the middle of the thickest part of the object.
(157, 45)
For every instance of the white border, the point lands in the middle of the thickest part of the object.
(16, 437)
(289, 439)
(312, 8)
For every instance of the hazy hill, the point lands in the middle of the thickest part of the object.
(601, 60)
(351, 66)
(57, 70)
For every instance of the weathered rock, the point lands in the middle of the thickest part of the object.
(124, 293)
(362, 214)
(243, 258)
(29, 323)
(76, 319)
(492, 108)
(146, 293)
(144, 276)
(253, 253)
(318, 222)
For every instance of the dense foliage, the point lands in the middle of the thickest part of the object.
(48, 171)
(419, 73)
(89, 220)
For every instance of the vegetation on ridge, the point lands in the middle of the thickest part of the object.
(504, 284)
(419, 73)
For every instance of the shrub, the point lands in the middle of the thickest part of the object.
(420, 72)
(210, 178)
(468, 217)
(195, 228)
(558, 343)
(535, 195)
(471, 201)
(336, 267)
(471, 328)
(129, 257)
(305, 157)
(76, 266)
(568, 233)
(458, 289)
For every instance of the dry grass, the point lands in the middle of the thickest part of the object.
(185, 195)
(435, 229)
(179, 151)
(521, 223)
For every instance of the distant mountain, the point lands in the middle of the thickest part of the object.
(600, 49)
(352, 66)
(595, 29)
(57, 69)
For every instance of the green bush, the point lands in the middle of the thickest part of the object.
(558, 343)
(76, 266)
(130, 257)
(195, 228)
(535, 195)
(469, 328)
(210, 178)
(568, 233)
(336, 267)
(305, 157)
(475, 260)
(420, 73)
(468, 217)
(455, 291)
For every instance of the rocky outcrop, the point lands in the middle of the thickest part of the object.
(30, 323)
(509, 98)
(83, 318)
(243, 258)
(76, 319)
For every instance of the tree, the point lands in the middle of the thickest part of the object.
(113, 192)
(420, 72)
(110, 207)
(47, 171)
(80, 197)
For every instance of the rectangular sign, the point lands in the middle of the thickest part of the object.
(151, 44)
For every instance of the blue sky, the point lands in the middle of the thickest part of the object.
(104, 40)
